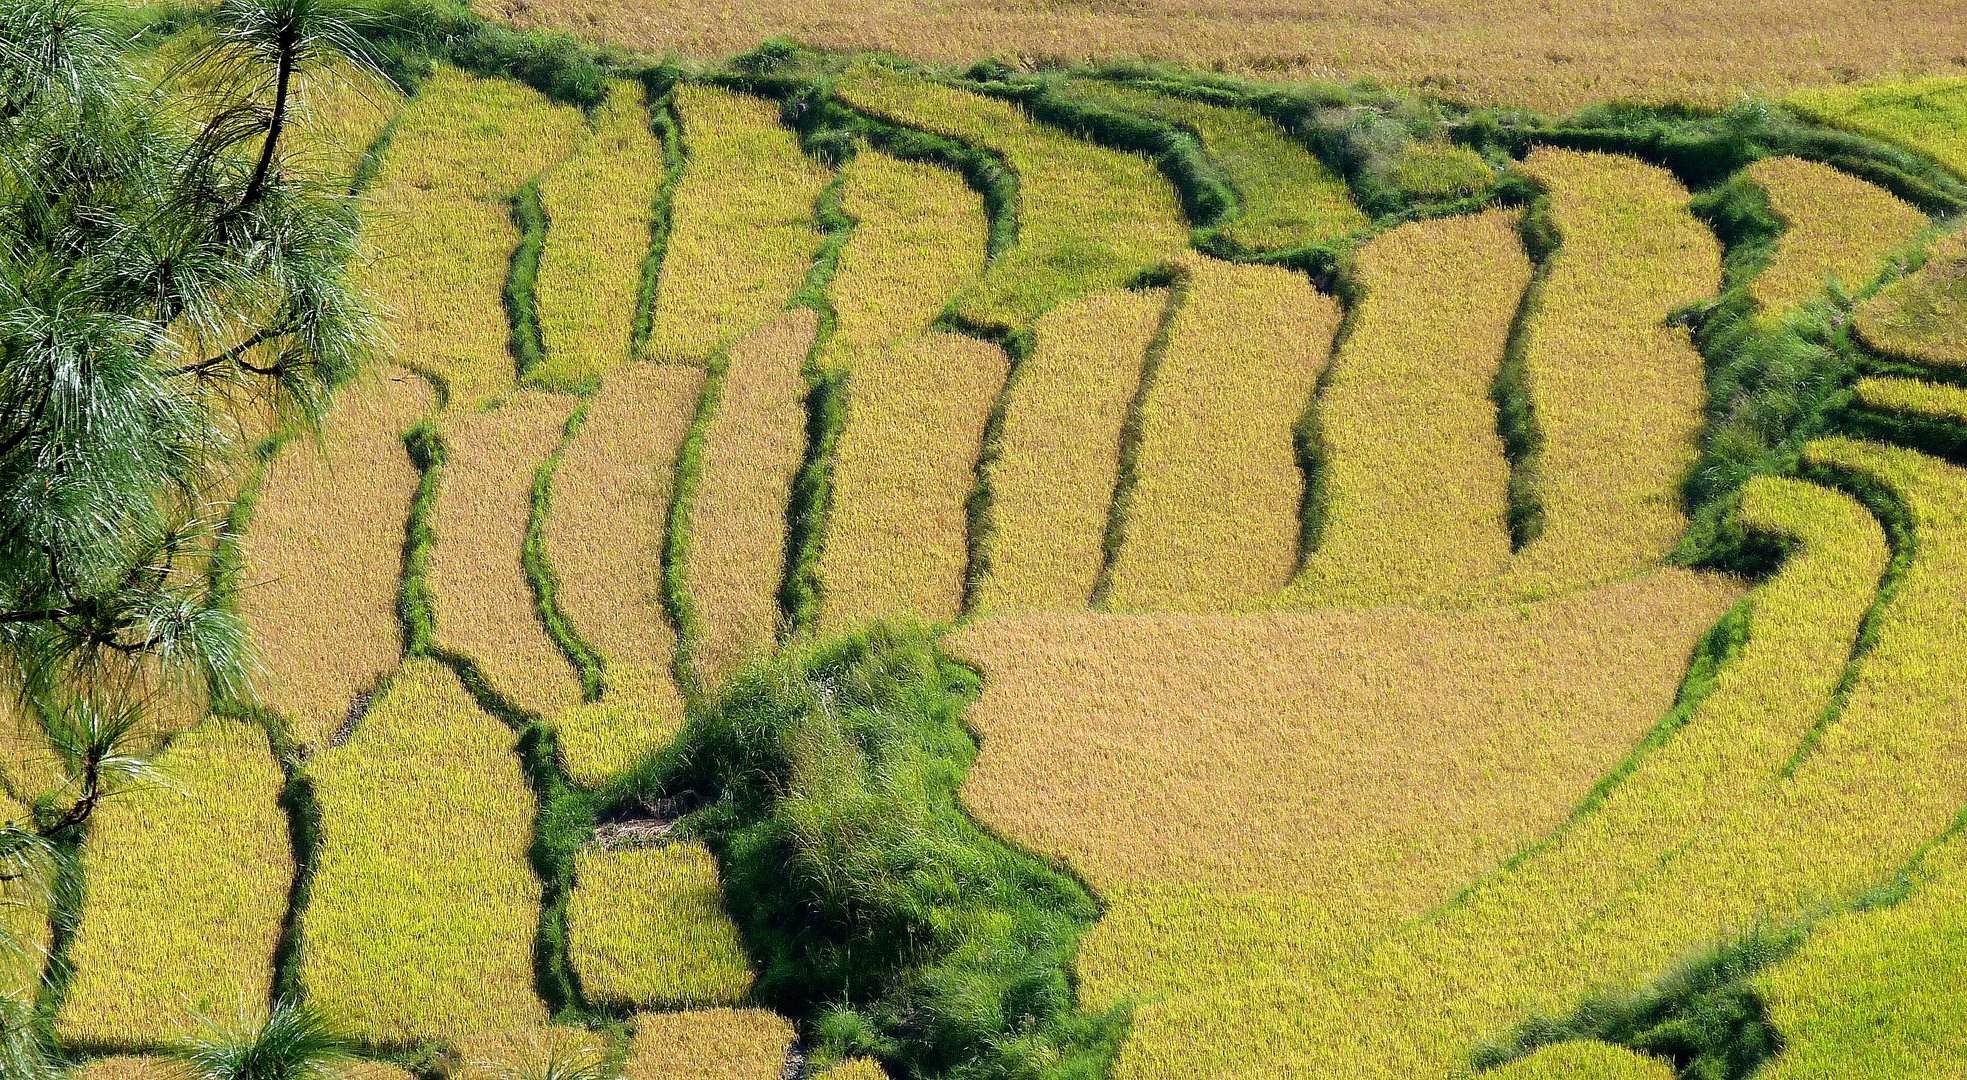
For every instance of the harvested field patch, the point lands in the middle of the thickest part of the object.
(482, 604)
(1617, 393)
(1052, 483)
(439, 232)
(201, 862)
(1553, 56)
(604, 538)
(897, 530)
(742, 234)
(1923, 316)
(752, 450)
(647, 928)
(424, 903)
(1290, 199)
(1214, 520)
(1414, 475)
(919, 236)
(1836, 227)
(1253, 793)
(322, 553)
(600, 205)
(1927, 115)
(1089, 218)
(708, 1044)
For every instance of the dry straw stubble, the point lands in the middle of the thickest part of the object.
(481, 602)
(646, 928)
(1053, 480)
(439, 236)
(323, 552)
(742, 236)
(601, 204)
(424, 905)
(1618, 393)
(197, 868)
(604, 538)
(1214, 520)
(1836, 227)
(1414, 473)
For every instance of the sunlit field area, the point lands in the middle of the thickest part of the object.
(1031, 541)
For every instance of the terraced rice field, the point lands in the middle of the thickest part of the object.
(856, 570)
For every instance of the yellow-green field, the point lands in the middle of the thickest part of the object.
(1084, 570)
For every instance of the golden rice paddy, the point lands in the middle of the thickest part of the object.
(742, 236)
(1214, 519)
(708, 1044)
(1923, 316)
(424, 903)
(323, 552)
(201, 862)
(1836, 228)
(604, 539)
(752, 449)
(1052, 483)
(600, 206)
(647, 928)
(483, 606)
(1618, 393)
(1413, 467)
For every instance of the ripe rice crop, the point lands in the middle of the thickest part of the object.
(1878, 993)
(1052, 482)
(323, 550)
(1927, 115)
(201, 863)
(857, 1069)
(508, 1055)
(1552, 56)
(604, 538)
(1214, 518)
(646, 927)
(340, 112)
(1617, 393)
(23, 918)
(129, 1068)
(1586, 1061)
(1816, 817)
(1089, 218)
(482, 604)
(29, 765)
(1414, 471)
(438, 231)
(919, 236)
(601, 204)
(742, 234)
(896, 538)
(1923, 316)
(1251, 794)
(1934, 401)
(1290, 199)
(708, 1044)
(1836, 226)
(424, 904)
(752, 449)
